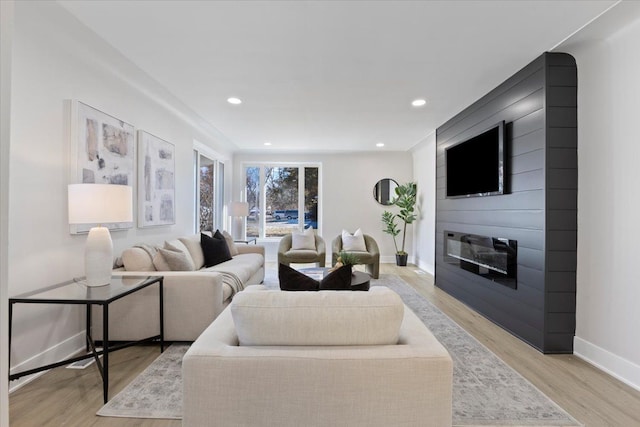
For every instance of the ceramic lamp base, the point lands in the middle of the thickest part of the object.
(238, 229)
(98, 257)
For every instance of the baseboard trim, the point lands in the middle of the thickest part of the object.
(426, 267)
(63, 350)
(391, 259)
(614, 365)
(386, 259)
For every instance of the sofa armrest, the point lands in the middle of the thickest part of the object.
(284, 245)
(321, 247)
(336, 247)
(250, 249)
(372, 245)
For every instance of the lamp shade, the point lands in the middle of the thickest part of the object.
(239, 209)
(100, 203)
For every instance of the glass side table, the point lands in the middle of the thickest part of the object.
(247, 241)
(76, 292)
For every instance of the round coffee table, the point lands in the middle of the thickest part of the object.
(360, 281)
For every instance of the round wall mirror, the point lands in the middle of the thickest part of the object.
(384, 191)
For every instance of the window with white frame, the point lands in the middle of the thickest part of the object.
(282, 198)
(209, 192)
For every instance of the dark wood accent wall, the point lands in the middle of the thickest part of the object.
(539, 107)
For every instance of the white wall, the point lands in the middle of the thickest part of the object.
(608, 290)
(424, 173)
(347, 192)
(55, 58)
(6, 36)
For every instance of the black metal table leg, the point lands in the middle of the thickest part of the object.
(88, 325)
(160, 284)
(105, 351)
(10, 323)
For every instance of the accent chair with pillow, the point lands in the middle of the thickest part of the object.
(362, 245)
(302, 247)
(327, 358)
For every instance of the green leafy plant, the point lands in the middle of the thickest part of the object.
(389, 220)
(348, 258)
(405, 199)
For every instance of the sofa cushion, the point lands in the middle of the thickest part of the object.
(292, 280)
(137, 259)
(242, 265)
(317, 318)
(195, 249)
(215, 249)
(353, 242)
(302, 255)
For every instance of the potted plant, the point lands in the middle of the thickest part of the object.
(405, 199)
(345, 258)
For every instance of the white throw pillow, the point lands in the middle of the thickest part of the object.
(177, 245)
(195, 249)
(353, 242)
(173, 260)
(174, 256)
(233, 250)
(159, 263)
(304, 240)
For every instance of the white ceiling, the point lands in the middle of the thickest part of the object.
(332, 75)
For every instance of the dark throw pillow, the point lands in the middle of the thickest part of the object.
(337, 280)
(215, 249)
(293, 280)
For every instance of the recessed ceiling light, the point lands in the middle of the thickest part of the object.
(380, 144)
(234, 101)
(267, 143)
(418, 102)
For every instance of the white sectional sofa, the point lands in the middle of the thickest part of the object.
(328, 358)
(192, 299)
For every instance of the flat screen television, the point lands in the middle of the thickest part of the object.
(476, 166)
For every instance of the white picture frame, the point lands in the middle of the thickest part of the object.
(102, 152)
(156, 181)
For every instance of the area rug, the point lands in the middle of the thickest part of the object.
(155, 393)
(486, 391)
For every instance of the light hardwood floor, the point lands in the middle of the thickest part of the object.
(66, 397)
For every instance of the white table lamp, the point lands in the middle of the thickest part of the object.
(238, 210)
(99, 204)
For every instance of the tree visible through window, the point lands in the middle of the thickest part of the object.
(206, 174)
(281, 198)
(253, 199)
(286, 207)
(311, 197)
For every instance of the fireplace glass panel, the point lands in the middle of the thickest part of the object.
(493, 258)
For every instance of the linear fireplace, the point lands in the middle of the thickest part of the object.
(493, 258)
